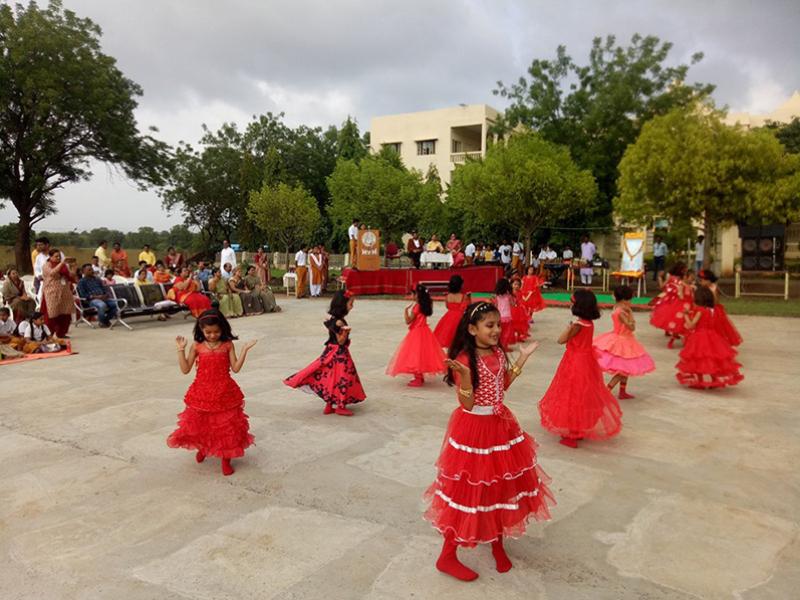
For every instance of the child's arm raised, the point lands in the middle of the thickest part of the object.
(409, 313)
(184, 362)
(236, 363)
(524, 353)
(569, 333)
(464, 382)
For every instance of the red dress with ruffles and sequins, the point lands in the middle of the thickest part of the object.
(488, 483)
(707, 360)
(445, 329)
(419, 353)
(214, 421)
(671, 306)
(578, 404)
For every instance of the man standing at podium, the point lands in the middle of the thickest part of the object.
(352, 234)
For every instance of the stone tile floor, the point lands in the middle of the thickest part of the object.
(699, 497)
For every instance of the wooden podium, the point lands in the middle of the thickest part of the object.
(368, 251)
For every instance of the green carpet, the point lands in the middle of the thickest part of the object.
(565, 296)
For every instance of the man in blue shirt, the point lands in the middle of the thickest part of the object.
(203, 272)
(659, 256)
(92, 290)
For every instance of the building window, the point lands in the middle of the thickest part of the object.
(426, 147)
(458, 146)
(393, 146)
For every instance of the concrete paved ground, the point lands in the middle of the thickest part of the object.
(697, 498)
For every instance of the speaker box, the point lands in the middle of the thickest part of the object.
(762, 247)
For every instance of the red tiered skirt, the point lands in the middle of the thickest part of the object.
(445, 329)
(488, 483)
(418, 353)
(225, 434)
(332, 377)
(724, 326)
(578, 404)
(622, 355)
(669, 315)
(708, 361)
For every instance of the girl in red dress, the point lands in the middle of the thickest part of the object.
(419, 352)
(504, 300)
(673, 303)
(456, 303)
(520, 318)
(618, 352)
(721, 321)
(333, 376)
(707, 360)
(578, 404)
(488, 483)
(532, 291)
(214, 422)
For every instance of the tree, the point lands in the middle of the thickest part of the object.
(788, 134)
(689, 165)
(522, 185)
(287, 215)
(597, 109)
(63, 102)
(378, 190)
(349, 144)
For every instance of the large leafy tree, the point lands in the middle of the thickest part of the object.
(689, 165)
(597, 109)
(788, 134)
(287, 215)
(522, 185)
(63, 103)
(379, 191)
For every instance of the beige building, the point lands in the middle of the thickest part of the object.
(445, 137)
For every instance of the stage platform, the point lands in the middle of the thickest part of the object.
(400, 282)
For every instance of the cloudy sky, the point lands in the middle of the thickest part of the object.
(205, 61)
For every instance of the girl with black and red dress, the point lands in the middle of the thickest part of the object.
(489, 483)
(578, 405)
(420, 352)
(456, 303)
(707, 360)
(214, 422)
(333, 376)
(722, 322)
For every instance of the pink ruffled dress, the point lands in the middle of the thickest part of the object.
(619, 352)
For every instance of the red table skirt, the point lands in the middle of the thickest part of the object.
(402, 281)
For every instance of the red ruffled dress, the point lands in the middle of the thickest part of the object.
(707, 360)
(578, 404)
(520, 319)
(620, 353)
(724, 326)
(532, 290)
(333, 376)
(214, 421)
(420, 352)
(488, 481)
(445, 329)
(669, 309)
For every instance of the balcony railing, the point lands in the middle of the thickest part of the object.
(461, 157)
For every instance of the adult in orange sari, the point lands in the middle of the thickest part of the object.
(119, 261)
(187, 292)
(58, 303)
(316, 263)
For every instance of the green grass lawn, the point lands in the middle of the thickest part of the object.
(764, 307)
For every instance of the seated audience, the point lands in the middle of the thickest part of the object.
(108, 278)
(143, 269)
(119, 261)
(173, 259)
(16, 296)
(230, 304)
(227, 271)
(203, 272)
(567, 254)
(96, 267)
(143, 277)
(92, 290)
(187, 292)
(8, 328)
(35, 336)
(161, 275)
(147, 256)
(434, 245)
(252, 283)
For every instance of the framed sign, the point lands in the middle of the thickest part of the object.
(369, 250)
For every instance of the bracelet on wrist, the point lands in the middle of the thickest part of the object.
(464, 393)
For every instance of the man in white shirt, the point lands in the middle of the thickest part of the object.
(505, 253)
(96, 268)
(227, 271)
(301, 272)
(567, 254)
(659, 256)
(547, 254)
(699, 253)
(227, 255)
(469, 253)
(352, 235)
(517, 256)
(588, 251)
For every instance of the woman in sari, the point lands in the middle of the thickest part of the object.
(187, 292)
(58, 303)
(17, 298)
(230, 304)
(161, 275)
(261, 261)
